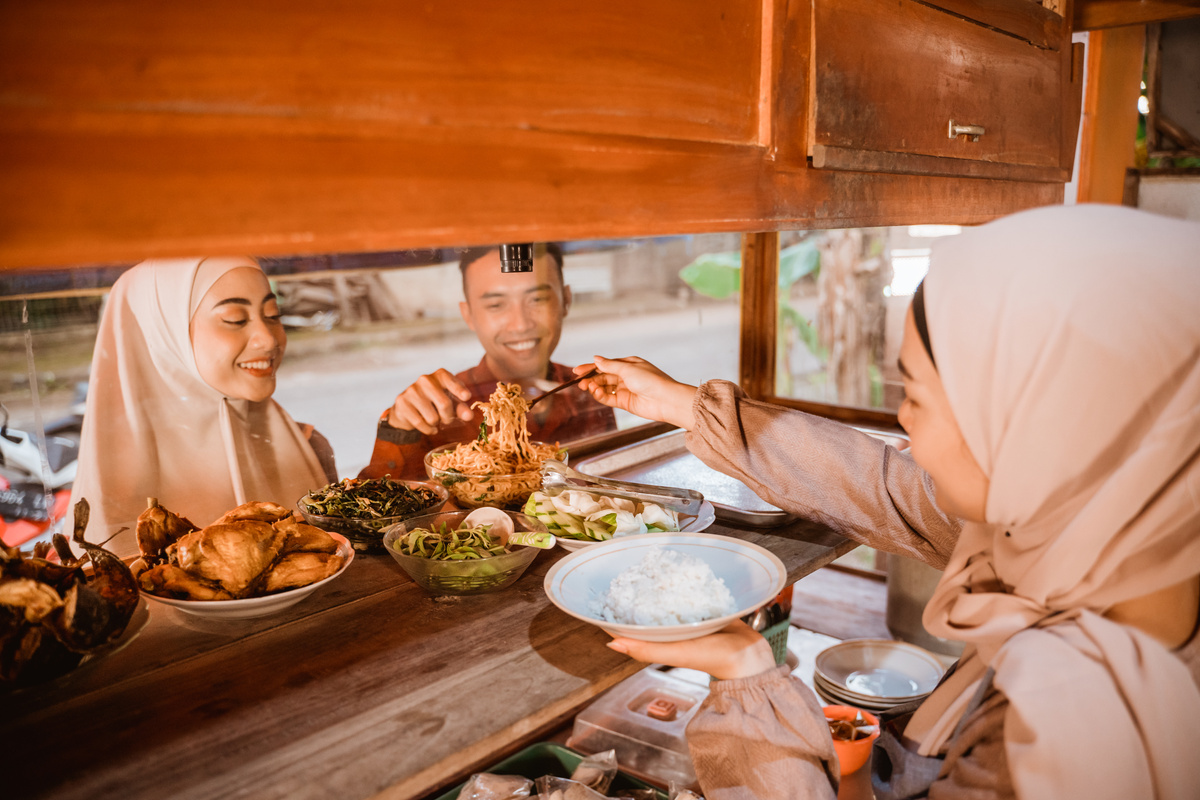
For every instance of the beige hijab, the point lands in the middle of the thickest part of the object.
(154, 428)
(1068, 340)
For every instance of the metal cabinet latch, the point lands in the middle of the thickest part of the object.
(958, 129)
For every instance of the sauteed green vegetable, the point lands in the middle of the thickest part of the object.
(370, 498)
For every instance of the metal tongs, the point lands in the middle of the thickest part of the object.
(557, 478)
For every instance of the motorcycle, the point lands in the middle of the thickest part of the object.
(36, 474)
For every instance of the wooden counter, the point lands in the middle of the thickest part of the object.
(368, 688)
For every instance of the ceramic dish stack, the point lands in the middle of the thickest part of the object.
(875, 674)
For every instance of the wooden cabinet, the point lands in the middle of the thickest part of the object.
(131, 128)
(900, 86)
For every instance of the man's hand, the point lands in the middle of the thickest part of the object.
(735, 651)
(639, 387)
(432, 401)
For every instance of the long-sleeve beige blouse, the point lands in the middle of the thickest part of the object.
(764, 736)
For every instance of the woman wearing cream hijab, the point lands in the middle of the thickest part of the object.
(179, 402)
(1052, 374)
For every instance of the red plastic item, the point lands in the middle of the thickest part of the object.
(20, 531)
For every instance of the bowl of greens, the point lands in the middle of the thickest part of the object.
(361, 508)
(446, 554)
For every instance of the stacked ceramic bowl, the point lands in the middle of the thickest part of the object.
(875, 674)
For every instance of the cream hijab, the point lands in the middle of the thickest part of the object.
(1068, 341)
(154, 428)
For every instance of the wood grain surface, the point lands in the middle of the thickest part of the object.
(131, 129)
(943, 68)
(367, 688)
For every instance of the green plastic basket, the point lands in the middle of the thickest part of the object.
(777, 635)
(549, 758)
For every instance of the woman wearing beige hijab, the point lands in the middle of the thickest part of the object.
(1052, 375)
(179, 401)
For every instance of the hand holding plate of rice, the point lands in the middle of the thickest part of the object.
(665, 587)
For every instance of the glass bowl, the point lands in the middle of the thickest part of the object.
(507, 491)
(475, 576)
(366, 533)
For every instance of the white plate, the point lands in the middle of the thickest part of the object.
(832, 694)
(753, 575)
(256, 606)
(880, 669)
(689, 524)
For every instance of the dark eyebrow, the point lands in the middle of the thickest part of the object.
(241, 301)
(541, 287)
(904, 370)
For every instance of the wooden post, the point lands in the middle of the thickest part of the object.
(1114, 74)
(759, 314)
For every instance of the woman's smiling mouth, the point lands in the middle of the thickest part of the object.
(264, 368)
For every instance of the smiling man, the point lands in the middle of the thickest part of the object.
(518, 319)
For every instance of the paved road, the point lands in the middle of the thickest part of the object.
(343, 393)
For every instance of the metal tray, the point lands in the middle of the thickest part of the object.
(664, 460)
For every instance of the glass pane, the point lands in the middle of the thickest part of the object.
(842, 299)
(361, 327)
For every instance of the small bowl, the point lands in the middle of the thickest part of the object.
(366, 533)
(852, 755)
(463, 577)
(507, 491)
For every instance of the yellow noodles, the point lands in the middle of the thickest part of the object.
(507, 451)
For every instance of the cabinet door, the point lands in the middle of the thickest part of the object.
(890, 79)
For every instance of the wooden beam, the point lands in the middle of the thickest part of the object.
(1093, 15)
(1114, 74)
(1035, 23)
(759, 314)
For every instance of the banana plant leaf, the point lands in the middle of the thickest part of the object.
(719, 275)
(797, 261)
(715, 275)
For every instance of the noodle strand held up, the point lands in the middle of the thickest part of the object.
(504, 450)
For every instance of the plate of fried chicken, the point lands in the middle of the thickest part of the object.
(256, 559)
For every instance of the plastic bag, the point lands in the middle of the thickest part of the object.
(551, 787)
(680, 793)
(486, 786)
(597, 770)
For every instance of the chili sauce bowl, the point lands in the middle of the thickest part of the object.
(852, 754)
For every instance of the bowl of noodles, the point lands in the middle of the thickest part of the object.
(476, 479)
(502, 466)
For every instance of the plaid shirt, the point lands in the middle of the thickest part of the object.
(567, 416)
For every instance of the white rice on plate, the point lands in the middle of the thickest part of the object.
(668, 587)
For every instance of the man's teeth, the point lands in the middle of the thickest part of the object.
(526, 345)
(255, 365)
